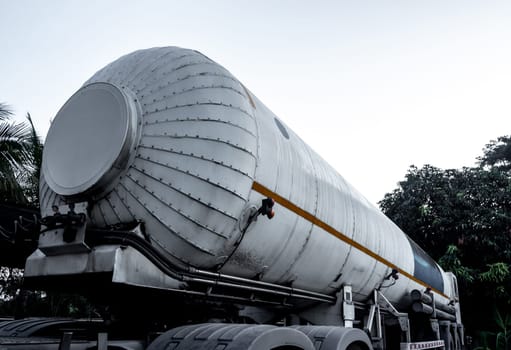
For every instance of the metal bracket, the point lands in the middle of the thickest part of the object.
(381, 302)
(65, 341)
(348, 308)
(66, 232)
(102, 341)
(435, 327)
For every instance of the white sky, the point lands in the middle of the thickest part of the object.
(372, 86)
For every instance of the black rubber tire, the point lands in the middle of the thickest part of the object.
(216, 336)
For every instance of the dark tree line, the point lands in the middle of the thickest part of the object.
(462, 218)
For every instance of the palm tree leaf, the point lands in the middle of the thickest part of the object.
(20, 158)
(14, 131)
(5, 112)
(15, 157)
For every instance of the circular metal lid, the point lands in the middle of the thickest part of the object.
(90, 140)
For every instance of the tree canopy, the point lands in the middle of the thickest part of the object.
(20, 159)
(462, 218)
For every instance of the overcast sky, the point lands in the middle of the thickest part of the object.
(372, 86)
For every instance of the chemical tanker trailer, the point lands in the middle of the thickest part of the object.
(171, 194)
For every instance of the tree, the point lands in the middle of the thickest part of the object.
(14, 156)
(35, 148)
(20, 159)
(20, 162)
(462, 218)
(497, 154)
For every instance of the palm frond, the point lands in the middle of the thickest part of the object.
(36, 145)
(14, 144)
(16, 156)
(5, 111)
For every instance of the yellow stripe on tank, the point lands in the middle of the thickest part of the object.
(314, 220)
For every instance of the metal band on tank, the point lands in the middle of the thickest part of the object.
(315, 221)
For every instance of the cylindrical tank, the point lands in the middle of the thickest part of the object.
(171, 138)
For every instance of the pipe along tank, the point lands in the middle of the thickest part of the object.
(174, 170)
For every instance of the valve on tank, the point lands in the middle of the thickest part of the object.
(64, 233)
(267, 208)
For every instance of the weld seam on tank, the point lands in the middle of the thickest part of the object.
(107, 198)
(180, 212)
(197, 137)
(184, 79)
(156, 60)
(46, 194)
(51, 195)
(177, 119)
(117, 207)
(155, 255)
(122, 202)
(208, 103)
(157, 63)
(178, 80)
(374, 267)
(109, 209)
(199, 119)
(309, 234)
(102, 215)
(196, 157)
(139, 57)
(187, 195)
(48, 198)
(196, 176)
(166, 224)
(105, 209)
(162, 246)
(170, 96)
(186, 65)
(189, 218)
(280, 255)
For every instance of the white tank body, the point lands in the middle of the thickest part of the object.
(169, 137)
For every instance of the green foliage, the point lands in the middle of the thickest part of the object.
(450, 261)
(10, 280)
(499, 339)
(20, 159)
(14, 301)
(497, 154)
(462, 218)
(35, 148)
(497, 273)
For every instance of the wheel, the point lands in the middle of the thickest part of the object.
(221, 336)
(336, 338)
